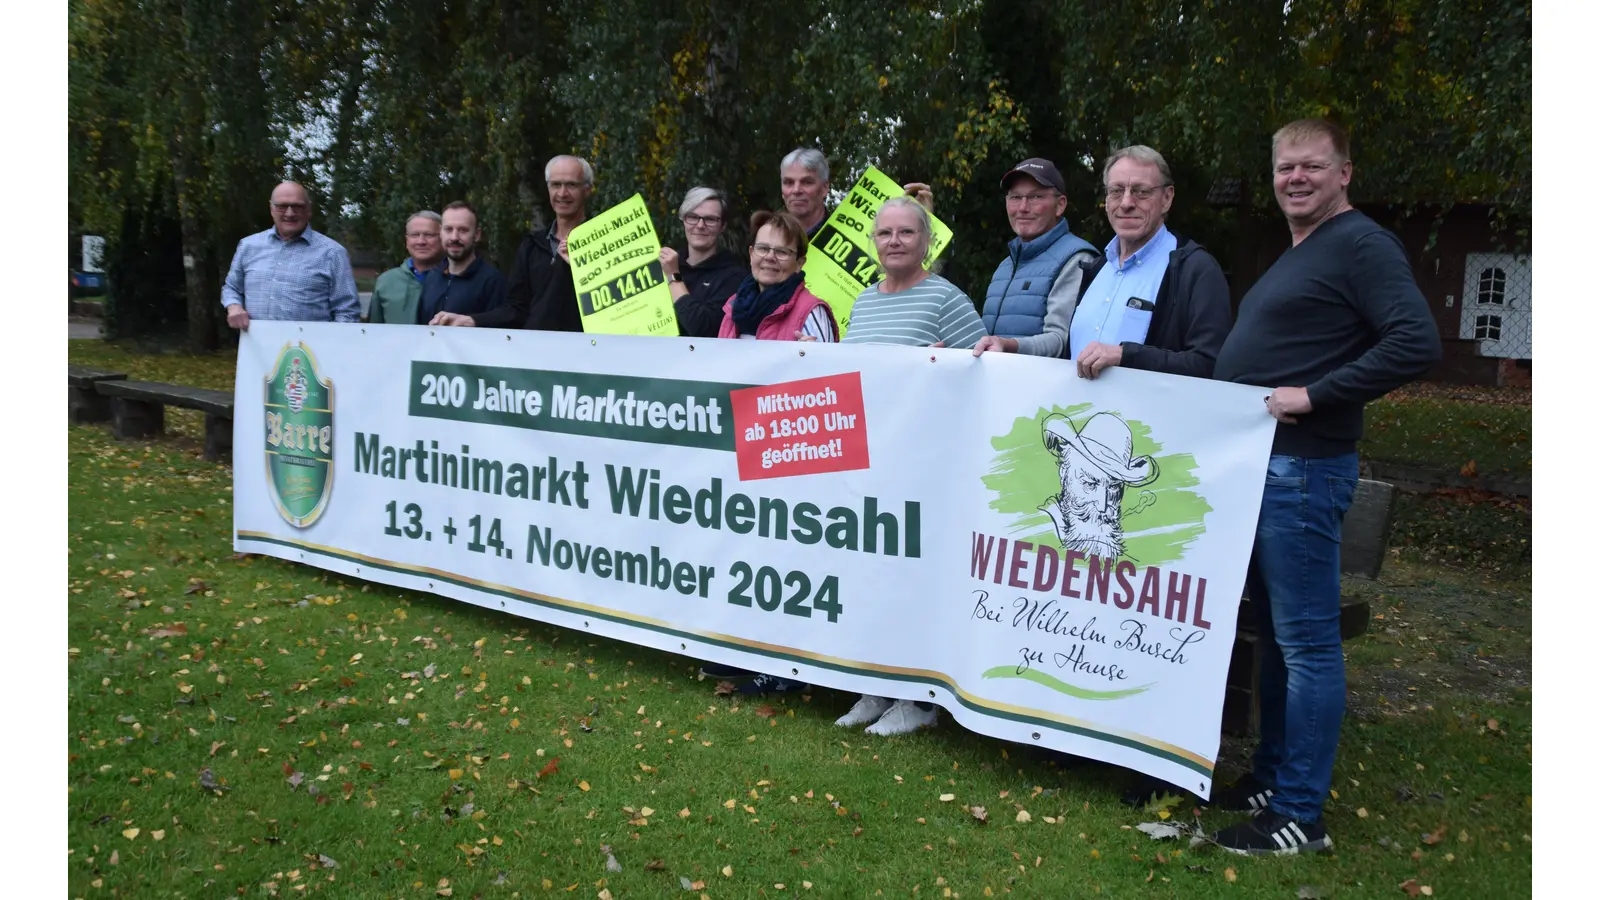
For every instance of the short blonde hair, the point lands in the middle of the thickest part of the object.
(1302, 130)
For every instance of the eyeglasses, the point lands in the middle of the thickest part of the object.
(906, 235)
(1030, 199)
(413, 235)
(694, 221)
(566, 185)
(1140, 192)
(779, 253)
(289, 207)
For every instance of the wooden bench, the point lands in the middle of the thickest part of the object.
(1364, 542)
(84, 403)
(138, 410)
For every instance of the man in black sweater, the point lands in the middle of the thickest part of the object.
(1338, 321)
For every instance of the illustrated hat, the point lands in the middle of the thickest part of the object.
(1107, 442)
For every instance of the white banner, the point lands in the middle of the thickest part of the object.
(1054, 561)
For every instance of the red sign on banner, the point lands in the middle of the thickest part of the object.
(800, 427)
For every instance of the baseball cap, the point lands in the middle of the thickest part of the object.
(1040, 170)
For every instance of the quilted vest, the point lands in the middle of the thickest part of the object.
(784, 321)
(1014, 305)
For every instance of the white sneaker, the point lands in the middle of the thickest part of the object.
(866, 711)
(903, 717)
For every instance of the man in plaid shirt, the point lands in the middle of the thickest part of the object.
(289, 271)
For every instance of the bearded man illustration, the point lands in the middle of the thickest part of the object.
(1097, 466)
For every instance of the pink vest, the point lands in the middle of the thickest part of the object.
(784, 321)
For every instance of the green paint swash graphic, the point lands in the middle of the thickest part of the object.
(1056, 684)
(1159, 521)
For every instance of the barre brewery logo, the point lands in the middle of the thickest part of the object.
(299, 444)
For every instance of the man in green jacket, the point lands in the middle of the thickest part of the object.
(398, 293)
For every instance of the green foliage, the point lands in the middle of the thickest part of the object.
(389, 106)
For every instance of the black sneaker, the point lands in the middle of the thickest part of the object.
(771, 684)
(1273, 834)
(721, 672)
(1247, 794)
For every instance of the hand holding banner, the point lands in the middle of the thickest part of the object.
(617, 272)
(842, 261)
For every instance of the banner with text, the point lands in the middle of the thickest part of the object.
(1055, 561)
(842, 261)
(616, 269)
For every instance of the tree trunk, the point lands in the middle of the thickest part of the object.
(349, 97)
(202, 306)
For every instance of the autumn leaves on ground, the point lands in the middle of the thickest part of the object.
(250, 727)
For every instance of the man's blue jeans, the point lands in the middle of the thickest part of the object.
(1294, 583)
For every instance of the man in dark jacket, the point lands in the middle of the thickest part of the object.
(540, 294)
(1155, 301)
(466, 285)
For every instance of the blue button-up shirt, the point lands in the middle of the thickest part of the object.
(1104, 313)
(304, 279)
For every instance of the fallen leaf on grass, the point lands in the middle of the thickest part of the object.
(946, 798)
(766, 711)
(727, 871)
(327, 862)
(176, 629)
(583, 785)
(654, 865)
(1436, 835)
(725, 689)
(1160, 831)
(217, 745)
(130, 833)
(550, 768)
(981, 814)
(1411, 887)
(158, 834)
(1230, 875)
(1023, 816)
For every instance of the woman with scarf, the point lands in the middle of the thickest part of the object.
(773, 303)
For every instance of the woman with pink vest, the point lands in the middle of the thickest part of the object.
(773, 303)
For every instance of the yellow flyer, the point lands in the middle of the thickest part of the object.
(842, 261)
(616, 268)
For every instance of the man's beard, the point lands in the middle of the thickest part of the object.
(1090, 531)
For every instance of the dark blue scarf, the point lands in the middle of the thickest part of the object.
(752, 303)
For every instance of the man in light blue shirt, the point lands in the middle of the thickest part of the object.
(1118, 304)
(290, 272)
(1156, 301)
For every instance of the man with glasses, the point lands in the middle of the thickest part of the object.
(1155, 301)
(704, 275)
(540, 294)
(397, 296)
(1029, 302)
(290, 272)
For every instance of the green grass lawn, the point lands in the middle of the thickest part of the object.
(365, 741)
(1447, 434)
